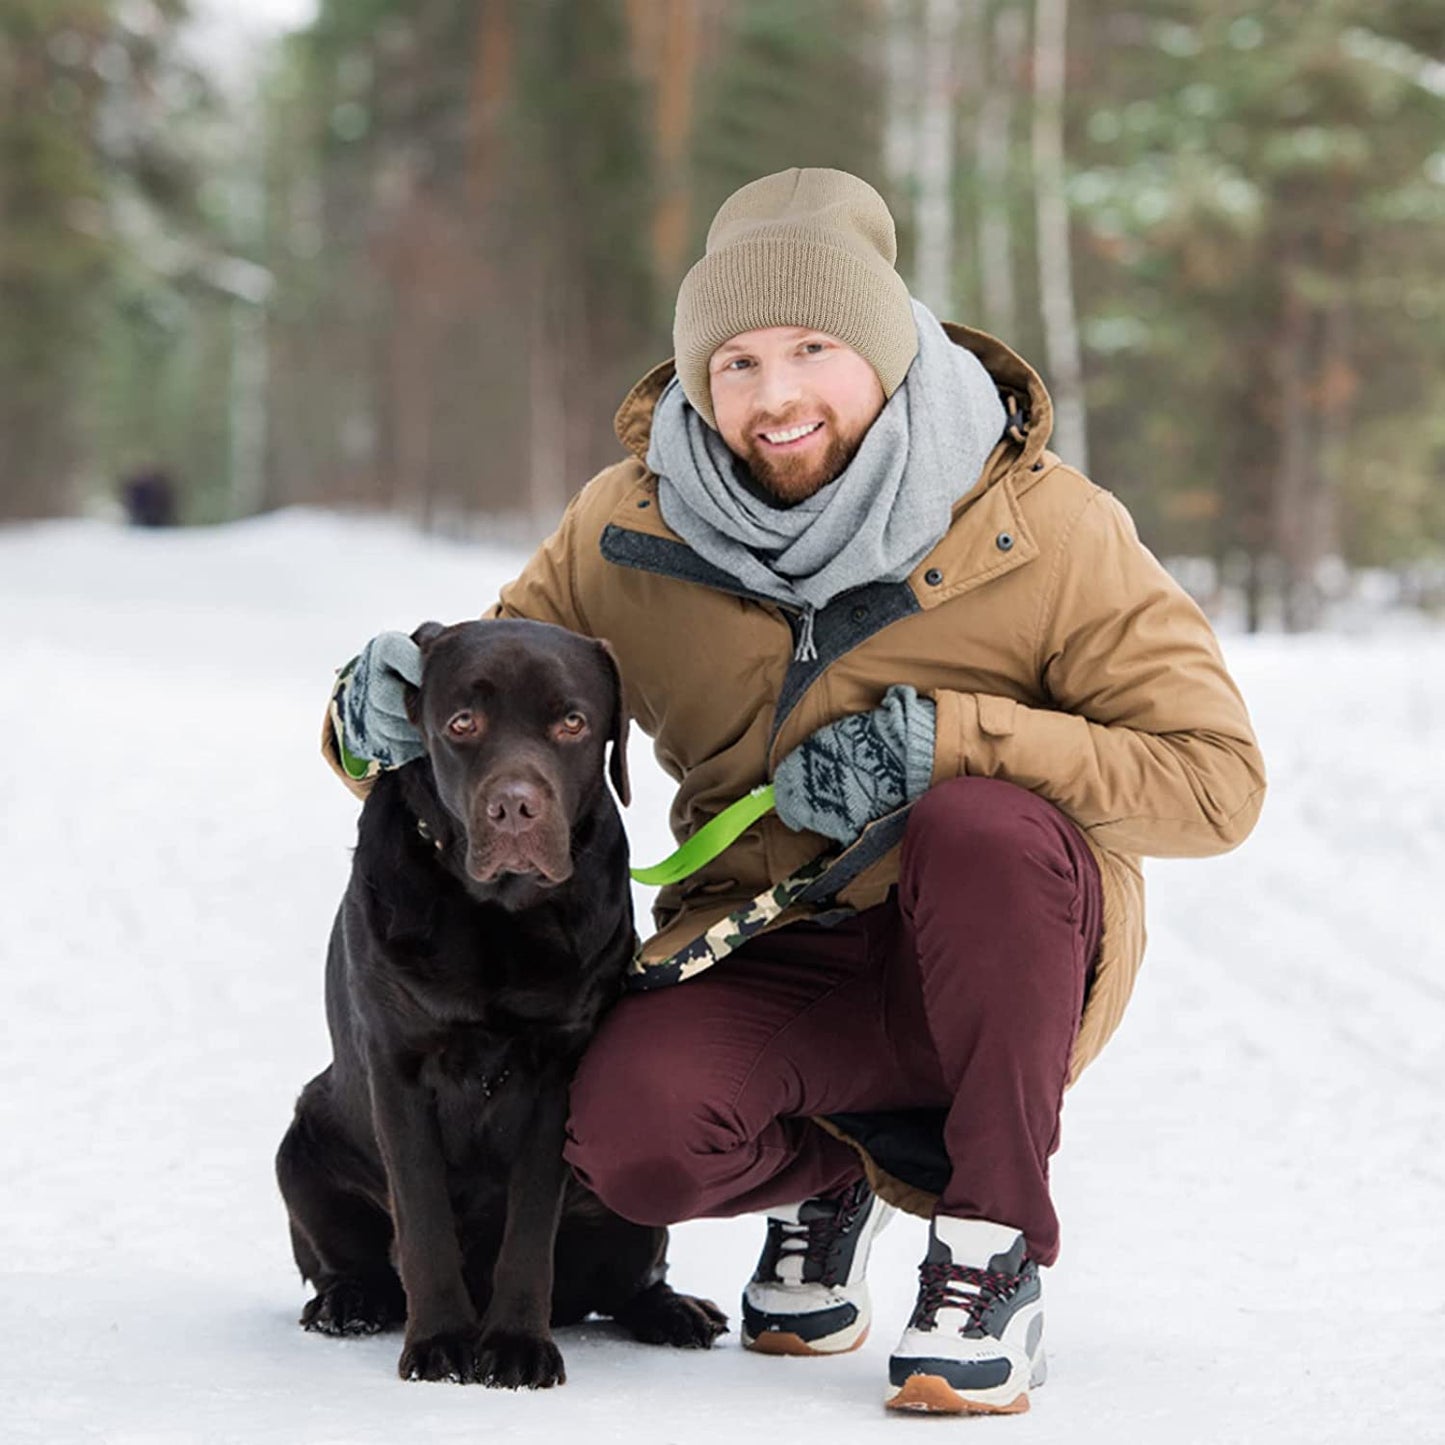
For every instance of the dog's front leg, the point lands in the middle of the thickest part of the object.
(517, 1348)
(441, 1321)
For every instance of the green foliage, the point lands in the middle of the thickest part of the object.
(462, 207)
(581, 167)
(53, 258)
(462, 197)
(113, 354)
(796, 83)
(1247, 176)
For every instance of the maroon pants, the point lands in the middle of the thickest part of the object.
(962, 991)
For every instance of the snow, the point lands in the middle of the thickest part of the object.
(1251, 1181)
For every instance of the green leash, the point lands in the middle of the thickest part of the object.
(711, 839)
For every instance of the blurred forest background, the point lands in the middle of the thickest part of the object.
(414, 256)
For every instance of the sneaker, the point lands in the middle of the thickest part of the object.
(808, 1295)
(975, 1344)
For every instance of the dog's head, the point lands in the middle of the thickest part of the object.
(516, 717)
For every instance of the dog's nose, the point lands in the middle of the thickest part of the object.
(515, 807)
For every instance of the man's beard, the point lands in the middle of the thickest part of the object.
(784, 480)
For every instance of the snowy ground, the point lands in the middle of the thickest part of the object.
(1252, 1182)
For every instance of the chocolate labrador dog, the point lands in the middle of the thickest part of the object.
(486, 927)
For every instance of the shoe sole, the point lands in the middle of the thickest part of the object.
(785, 1342)
(933, 1395)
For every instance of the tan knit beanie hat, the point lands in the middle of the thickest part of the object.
(810, 248)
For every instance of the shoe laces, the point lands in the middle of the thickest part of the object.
(941, 1286)
(812, 1240)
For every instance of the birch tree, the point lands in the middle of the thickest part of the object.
(1056, 286)
(993, 143)
(934, 259)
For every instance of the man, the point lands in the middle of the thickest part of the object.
(840, 557)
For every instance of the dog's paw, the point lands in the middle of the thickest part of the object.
(660, 1316)
(446, 1355)
(350, 1307)
(514, 1360)
(699, 1322)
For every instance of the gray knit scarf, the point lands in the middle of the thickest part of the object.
(874, 523)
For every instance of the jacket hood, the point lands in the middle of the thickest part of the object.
(1020, 388)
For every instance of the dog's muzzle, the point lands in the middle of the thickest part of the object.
(517, 826)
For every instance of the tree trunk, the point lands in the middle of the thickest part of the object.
(248, 409)
(1315, 385)
(547, 474)
(1289, 501)
(1056, 286)
(993, 143)
(934, 259)
(493, 62)
(1338, 383)
(902, 56)
(666, 44)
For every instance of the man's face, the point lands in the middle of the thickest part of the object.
(794, 404)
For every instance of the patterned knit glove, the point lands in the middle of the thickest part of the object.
(368, 706)
(858, 768)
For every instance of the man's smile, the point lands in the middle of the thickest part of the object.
(792, 436)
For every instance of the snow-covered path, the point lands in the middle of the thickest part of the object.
(1252, 1181)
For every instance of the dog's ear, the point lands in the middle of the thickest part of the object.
(424, 636)
(617, 760)
(427, 634)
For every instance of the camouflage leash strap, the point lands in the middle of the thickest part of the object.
(728, 934)
(818, 881)
(714, 837)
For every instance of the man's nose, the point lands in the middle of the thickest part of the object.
(778, 389)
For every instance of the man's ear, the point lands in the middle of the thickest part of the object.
(617, 759)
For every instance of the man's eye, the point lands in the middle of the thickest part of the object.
(463, 724)
(815, 346)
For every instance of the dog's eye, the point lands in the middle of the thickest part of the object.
(463, 725)
(573, 725)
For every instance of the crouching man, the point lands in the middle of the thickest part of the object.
(839, 556)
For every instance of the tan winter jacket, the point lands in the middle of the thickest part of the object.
(1060, 655)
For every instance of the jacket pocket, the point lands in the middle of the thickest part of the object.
(996, 714)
